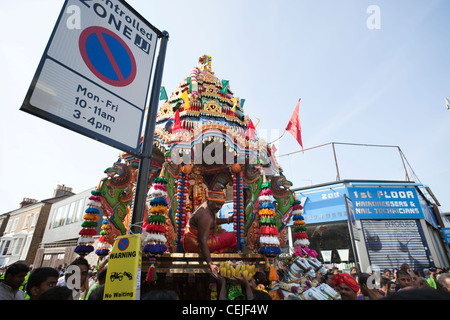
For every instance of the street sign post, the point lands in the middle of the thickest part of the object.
(95, 73)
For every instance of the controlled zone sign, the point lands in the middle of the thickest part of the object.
(123, 276)
(95, 73)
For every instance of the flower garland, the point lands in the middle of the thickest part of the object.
(156, 226)
(300, 236)
(182, 209)
(238, 206)
(269, 243)
(84, 244)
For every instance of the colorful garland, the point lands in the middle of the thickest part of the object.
(238, 207)
(182, 209)
(156, 222)
(87, 233)
(156, 226)
(268, 240)
(300, 236)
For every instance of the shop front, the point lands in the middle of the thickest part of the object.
(372, 225)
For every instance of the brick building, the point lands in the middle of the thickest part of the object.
(22, 230)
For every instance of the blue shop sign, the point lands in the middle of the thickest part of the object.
(385, 203)
(446, 233)
(325, 204)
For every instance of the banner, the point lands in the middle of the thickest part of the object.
(385, 203)
(123, 277)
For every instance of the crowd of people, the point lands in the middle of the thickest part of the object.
(20, 282)
(401, 283)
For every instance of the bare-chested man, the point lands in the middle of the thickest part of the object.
(201, 234)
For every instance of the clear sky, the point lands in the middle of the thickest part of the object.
(381, 86)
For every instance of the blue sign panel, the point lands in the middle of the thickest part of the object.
(385, 203)
(446, 233)
(323, 204)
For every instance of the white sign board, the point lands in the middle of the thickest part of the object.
(95, 73)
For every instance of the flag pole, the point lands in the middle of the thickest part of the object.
(278, 137)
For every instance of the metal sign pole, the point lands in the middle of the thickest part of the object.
(147, 143)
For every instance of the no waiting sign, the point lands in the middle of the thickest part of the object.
(95, 73)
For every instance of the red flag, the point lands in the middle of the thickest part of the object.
(294, 125)
(177, 124)
(250, 132)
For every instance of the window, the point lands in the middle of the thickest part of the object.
(8, 226)
(35, 217)
(17, 247)
(15, 223)
(80, 210)
(5, 247)
(71, 213)
(27, 221)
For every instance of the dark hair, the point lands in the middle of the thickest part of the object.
(80, 261)
(261, 295)
(56, 293)
(17, 268)
(403, 273)
(39, 275)
(160, 295)
(97, 293)
(101, 275)
(419, 294)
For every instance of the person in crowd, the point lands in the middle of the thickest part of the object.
(418, 294)
(394, 274)
(405, 267)
(202, 235)
(368, 290)
(386, 274)
(328, 279)
(14, 278)
(414, 279)
(346, 285)
(56, 293)
(392, 287)
(82, 273)
(422, 283)
(384, 284)
(430, 277)
(444, 282)
(101, 278)
(40, 280)
(404, 279)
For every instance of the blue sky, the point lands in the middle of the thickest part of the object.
(384, 86)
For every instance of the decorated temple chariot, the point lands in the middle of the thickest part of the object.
(204, 144)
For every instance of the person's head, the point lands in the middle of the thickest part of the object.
(157, 294)
(419, 294)
(364, 285)
(392, 287)
(422, 283)
(353, 271)
(83, 266)
(346, 285)
(101, 276)
(328, 279)
(414, 279)
(15, 275)
(405, 267)
(56, 293)
(444, 282)
(215, 200)
(404, 279)
(387, 273)
(41, 280)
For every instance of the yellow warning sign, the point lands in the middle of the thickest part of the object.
(123, 276)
